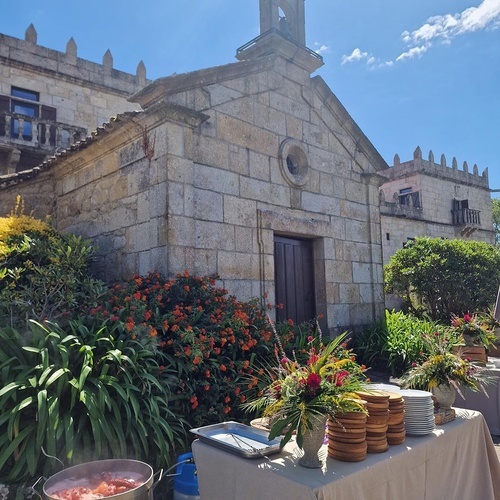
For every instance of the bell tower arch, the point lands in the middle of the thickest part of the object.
(283, 33)
(286, 16)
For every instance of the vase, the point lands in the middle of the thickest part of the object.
(445, 396)
(468, 339)
(312, 443)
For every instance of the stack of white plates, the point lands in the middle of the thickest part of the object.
(419, 412)
(383, 387)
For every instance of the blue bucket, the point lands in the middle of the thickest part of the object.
(186, 480)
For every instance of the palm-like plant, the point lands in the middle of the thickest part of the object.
(87, 394)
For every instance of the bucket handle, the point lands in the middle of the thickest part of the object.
(160, 476)
(33, 487)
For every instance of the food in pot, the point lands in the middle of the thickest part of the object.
(101, 486)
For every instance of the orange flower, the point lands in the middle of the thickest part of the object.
(227, 409)
(223, 368)
(196, 360)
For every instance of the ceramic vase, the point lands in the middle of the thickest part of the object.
(468, 339)
(445, 396)
(312, 443)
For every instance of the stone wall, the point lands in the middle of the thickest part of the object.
(216, 191)
(85, 94)
(438, 185)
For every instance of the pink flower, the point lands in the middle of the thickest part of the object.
(467, 318)
(313, 381)
(313, 358)
(340, 377)
(310, 338)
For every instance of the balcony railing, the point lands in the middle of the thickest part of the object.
(466, 217)
(22, 131)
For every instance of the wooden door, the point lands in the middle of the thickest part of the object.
(294, 279)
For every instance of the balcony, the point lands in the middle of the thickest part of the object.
(469, 220)
(466, 217)
(404, 205)
(23, 131)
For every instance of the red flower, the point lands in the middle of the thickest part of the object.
(340, 377)
(313, 381)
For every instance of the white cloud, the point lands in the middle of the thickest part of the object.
(356, 55)
(448, 26)
(414, 52)
(321, 48)
(438, 29)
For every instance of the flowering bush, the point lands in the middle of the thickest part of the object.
(442, 366)
(295, 392)
(43, 274)
(211, 338)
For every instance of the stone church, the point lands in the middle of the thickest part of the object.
(253, 170)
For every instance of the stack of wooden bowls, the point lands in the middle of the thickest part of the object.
(377, 404)
(396, 432)
(347, 437)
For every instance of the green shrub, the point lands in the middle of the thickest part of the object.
(444, 276)
(82, 394)
(43, 274)
(397, 341)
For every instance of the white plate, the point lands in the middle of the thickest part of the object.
(415, 393)
(383, 387)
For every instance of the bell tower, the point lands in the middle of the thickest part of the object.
(282, 32)
(286, 16)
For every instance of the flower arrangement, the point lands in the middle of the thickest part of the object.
(442, 366)
(470, 326)
(295, 392)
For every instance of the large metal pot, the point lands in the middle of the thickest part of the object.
(78, 475)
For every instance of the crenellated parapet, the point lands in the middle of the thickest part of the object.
(441, 170)
(28, 54)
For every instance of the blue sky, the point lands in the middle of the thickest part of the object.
(411, 73)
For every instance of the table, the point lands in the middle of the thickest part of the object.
(457, 462)
(489, 405)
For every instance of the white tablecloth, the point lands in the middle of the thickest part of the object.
(489, 405)
(456, 462)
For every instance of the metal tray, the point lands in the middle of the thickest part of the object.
(240, 439)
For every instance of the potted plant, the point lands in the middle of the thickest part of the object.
(443, 372)
(490, 323)
(473, 330)
(298, 396)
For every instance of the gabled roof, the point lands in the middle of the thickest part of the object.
(199, 78)
(8, 180)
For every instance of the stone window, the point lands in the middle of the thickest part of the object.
(409, 198)
(21, 106)
(294, 162)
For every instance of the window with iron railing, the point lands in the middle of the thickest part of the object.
(24, 108)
